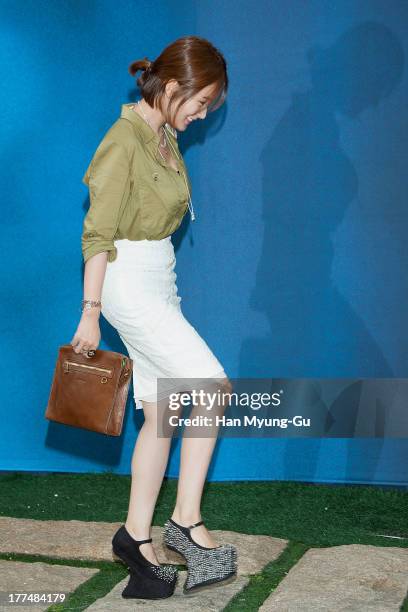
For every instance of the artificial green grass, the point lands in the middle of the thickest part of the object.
(307, 515)
(317, 515)
(261, 585)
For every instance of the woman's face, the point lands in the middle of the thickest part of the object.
(194, 108)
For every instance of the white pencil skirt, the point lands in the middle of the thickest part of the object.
(140, 300)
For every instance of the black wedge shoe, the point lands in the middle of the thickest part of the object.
(206, 567)
(147, 580)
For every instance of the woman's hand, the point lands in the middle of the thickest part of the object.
(88, 334)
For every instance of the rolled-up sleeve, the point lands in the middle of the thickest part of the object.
(108, 178)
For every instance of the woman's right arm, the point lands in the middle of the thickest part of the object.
(88, 332)
(109, 187)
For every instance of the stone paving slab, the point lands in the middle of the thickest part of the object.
(39, 577)
(351, 577)
(91, 541)
(213, 599)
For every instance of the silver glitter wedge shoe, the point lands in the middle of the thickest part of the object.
(206, 567)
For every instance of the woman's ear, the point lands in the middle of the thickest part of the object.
(171, 86)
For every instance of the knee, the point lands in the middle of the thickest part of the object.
(226, 385)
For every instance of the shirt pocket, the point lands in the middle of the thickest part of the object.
(162, 200)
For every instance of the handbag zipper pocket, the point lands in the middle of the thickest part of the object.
(82, 367)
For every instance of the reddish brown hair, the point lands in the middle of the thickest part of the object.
(193, 62)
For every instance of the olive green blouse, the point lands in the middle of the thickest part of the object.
(133, 192)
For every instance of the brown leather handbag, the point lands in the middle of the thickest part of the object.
(90, 390)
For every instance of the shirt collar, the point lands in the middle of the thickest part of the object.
(143, 127)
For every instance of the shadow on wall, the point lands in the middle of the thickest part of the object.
(308, 183)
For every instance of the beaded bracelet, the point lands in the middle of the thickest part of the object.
(88, 304)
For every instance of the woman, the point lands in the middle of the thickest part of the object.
(139, 193)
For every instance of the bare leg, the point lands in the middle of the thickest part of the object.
(195, 458)
(149, 462)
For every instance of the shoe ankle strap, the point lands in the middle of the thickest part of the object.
(196, 524)
(144, 541)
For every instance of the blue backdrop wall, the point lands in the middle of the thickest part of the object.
(296, 264)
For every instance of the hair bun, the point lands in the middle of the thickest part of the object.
(144, 65)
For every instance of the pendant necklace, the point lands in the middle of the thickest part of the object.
(164, 145)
